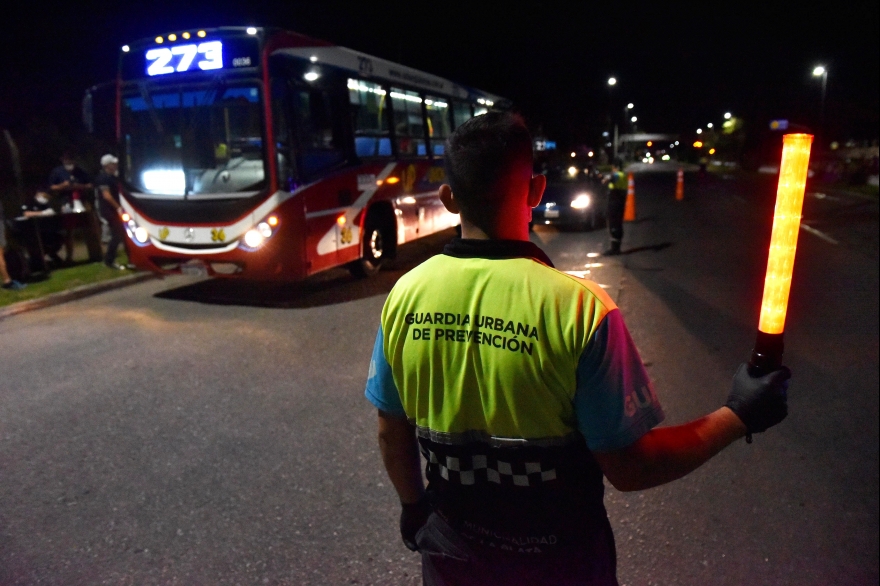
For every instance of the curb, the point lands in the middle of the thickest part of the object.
(73, 294)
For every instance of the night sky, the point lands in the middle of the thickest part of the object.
(682, 67)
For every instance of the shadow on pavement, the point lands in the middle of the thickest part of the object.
(643, 220)
(326, 288)
(652, 248)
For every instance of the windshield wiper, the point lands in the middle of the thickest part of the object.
(148, 100)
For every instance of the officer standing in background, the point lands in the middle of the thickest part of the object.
(521, 387)
(617, 184)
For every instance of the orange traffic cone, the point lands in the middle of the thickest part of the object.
(629, 210)
(679, 186)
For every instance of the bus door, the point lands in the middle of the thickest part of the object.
(437, 120)
(320, 157)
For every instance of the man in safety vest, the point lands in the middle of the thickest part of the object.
(521, 387)
(617, 184)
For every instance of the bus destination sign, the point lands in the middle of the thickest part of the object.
(205, 55)
(180, 58)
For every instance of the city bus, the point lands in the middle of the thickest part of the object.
(265, 154)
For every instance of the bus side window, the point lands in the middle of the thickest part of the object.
(438, 123)
(461, 113)
(369, 116)
(409, 129)
(319, 148)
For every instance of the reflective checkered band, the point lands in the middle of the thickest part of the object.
(469, 470)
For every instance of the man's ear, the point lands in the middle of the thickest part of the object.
(537, 184)
(448, 199)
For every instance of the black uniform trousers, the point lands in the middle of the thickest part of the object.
(616, 205)
(117, 236)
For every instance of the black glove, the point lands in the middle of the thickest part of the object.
(412, 518)
(759, 402)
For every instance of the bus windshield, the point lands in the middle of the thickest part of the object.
(193, 142)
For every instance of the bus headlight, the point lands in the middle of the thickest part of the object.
(138, 234)
(256, 236)
(581, 201)
(253, 238)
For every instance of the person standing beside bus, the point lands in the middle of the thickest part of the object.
(69, 184)
(107, 183)
(521, 386)
(617, 184)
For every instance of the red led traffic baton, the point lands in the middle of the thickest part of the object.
(767, 354)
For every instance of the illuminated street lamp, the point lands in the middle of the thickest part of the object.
(634, 119)
(821, 71)
(612, 81)
(710, 125)
(699, 131)
(630, 106)
(727, 115)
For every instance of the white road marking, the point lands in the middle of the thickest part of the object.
(821, 235)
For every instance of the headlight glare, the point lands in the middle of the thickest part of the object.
(253, 238)
(141, 234)
(581, 201)
(264, 229)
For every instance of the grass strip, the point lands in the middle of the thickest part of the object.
(62, 279)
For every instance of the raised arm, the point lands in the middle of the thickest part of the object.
(665, 454)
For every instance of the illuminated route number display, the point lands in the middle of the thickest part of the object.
(179, 58)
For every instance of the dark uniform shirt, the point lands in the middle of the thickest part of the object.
(59, 175)
(110, 182)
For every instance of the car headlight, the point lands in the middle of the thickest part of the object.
(581, 201)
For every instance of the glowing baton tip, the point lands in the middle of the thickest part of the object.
(786, 222)
(769, 345)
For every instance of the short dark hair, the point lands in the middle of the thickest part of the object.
(481, 157)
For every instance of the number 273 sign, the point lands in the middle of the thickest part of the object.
(180, 58)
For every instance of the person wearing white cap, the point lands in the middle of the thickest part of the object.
(107, 183)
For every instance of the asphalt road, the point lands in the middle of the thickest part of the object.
(183, 432)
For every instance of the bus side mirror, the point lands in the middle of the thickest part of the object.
(100, 98)
(88, 114)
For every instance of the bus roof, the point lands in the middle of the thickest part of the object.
(284, 42)
(369, 67)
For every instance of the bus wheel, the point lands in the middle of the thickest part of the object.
(375, 250)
